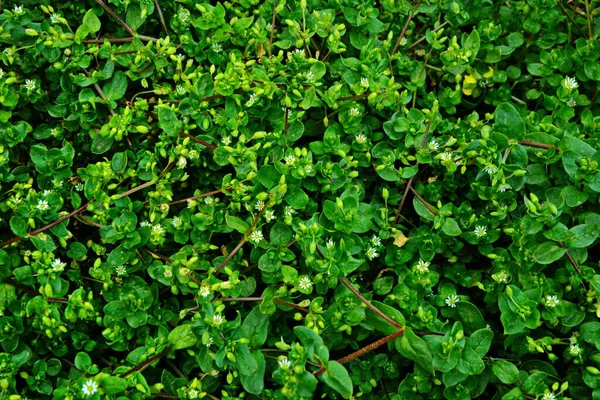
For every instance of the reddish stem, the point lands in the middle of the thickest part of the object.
(371, 306)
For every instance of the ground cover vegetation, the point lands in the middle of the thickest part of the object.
(299, 199)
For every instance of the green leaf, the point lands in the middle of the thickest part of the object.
(115, 310)
(76, 250)
(480, 341)
(83, 361)
(414, 348)
(337, 378)
(237, 223)
(255, 382)
(116, 88)
(312, 343)
(506, 371)
(509, 122)
(281, 234)
(7, 294)
(246, 363)
(548, 252)
(18, 226)
(182, 337)
(470, 316)
(101, 144)
(168, 122)
(113, 385)
(381, 324)
(256, 328)
(450, 227)
(296, 198)
(119, 162)
(592, 70)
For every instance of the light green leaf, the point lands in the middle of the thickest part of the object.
(182, 337)
(337, 378)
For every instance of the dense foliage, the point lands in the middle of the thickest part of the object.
(299, 199)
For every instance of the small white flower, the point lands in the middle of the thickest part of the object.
(89, 387)
(157, 230)
(285, 363)
(204, 291)
(488, 326)
(56, 183)
(354, 112)
(145, 223)
(1, 73)
(269, 26)
(269, 215)
(372, 253)
(504, 187)
(168, 273)
(218, 319)
(574, 350)
(480, 231)
(360, 138)
(193, 394)
(29, 85)
(18, 10)
(422, 267)
(251, 100)
(209, 342)
(180, 57)
(47, 192)
(120, 270)
(308, 169)
(329, 244)
(289, 160)
(310, 76)
(447, 156)
(54, 132)
(305, 283)
(181, 162)
(58, 266)
(54, 18)
(451, 301)
(502, 277)
(216, 47)
(176, 222)
(183, 271)
(403, 41)
(256, 236)
(364, 82)
(43, 205)
(490, 169)
(573, 338)
(288, 211)
(259, 205)
(183, 15)
(180, 89)
(433, 145)
(570, 83)
(549, 396)
(552, 301)
(79, 187)
(375, 240)
(226, 141)
(571, 102)
(208, 200)
(17, 200)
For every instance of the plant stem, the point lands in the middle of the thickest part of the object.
(116, 17)
(161, 17)
(50, 225)
(99, 90)
(422, 200)
(410, 17)
(244, 239)
(371, 306)
(570, 18)
(137, 188)
(535, 144)
(365, 350)
(272, 26)
(195, 139)
(146, 363)
(589, 19)
(196, 197)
